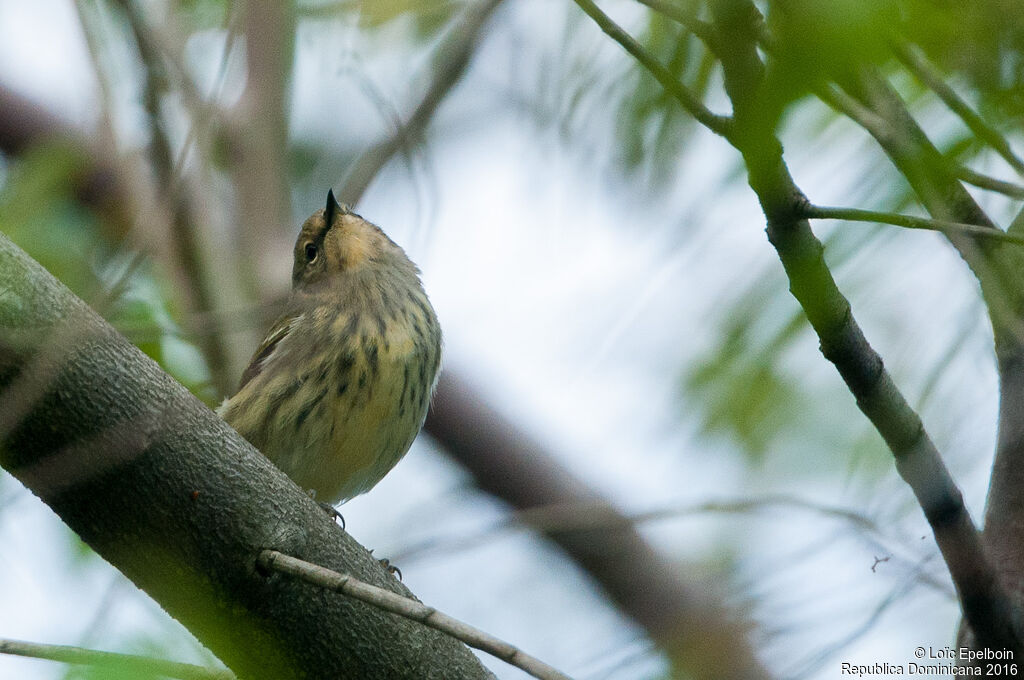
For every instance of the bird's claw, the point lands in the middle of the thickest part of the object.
(331, 511)
(392, 569)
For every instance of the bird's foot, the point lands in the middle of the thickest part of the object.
(392, 569)
(331, 511)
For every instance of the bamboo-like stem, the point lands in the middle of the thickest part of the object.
(273, 560)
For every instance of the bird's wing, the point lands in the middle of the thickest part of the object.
(278, 332)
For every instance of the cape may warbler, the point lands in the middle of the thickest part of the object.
(339, 388)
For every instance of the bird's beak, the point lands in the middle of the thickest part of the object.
(333, 208)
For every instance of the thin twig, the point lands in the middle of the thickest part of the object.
(202, 292)
(272, 560)
(552, 519)
(685, 17)
(721, 125)
(451, 60)
(983, 181)
(918, 64)
(843, 103)
(196, 122)
(817, 212)
(133, 664)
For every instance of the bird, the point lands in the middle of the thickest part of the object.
(338, 390)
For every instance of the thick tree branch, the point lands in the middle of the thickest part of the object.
(982, 596)
(1000, 271)
(169, 494)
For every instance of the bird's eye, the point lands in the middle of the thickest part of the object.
(311, 252)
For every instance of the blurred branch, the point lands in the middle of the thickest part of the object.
(937, 187)
(917, 63)
(687, 17)
(983, 181)
(554, 519)
(841, 102)
(680, 614)
(414, 610)
(169, 494)
(137, 666)
(190, 260)
(260, 158)
(24, 124)
(983, 598)
(451, 60)
(816, 212)
(721, 125)
(120, 195)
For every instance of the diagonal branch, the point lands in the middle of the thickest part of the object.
(917, 63)
(1000, 271)
(414, 610)
(112, 662)
(720, 125)
(202, 291)
(176, 500)
(452, 59)
(983, 597)
(686, 17)
(983, 181)
(700, 636)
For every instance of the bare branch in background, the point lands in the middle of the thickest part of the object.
(721, 125)
(917, 63)
(452, 58)
(259, 157)
(191, 258)
(680, 614)
(554, 519)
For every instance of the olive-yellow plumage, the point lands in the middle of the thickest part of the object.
(339, 389)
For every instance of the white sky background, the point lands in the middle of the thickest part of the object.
(575, 302)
